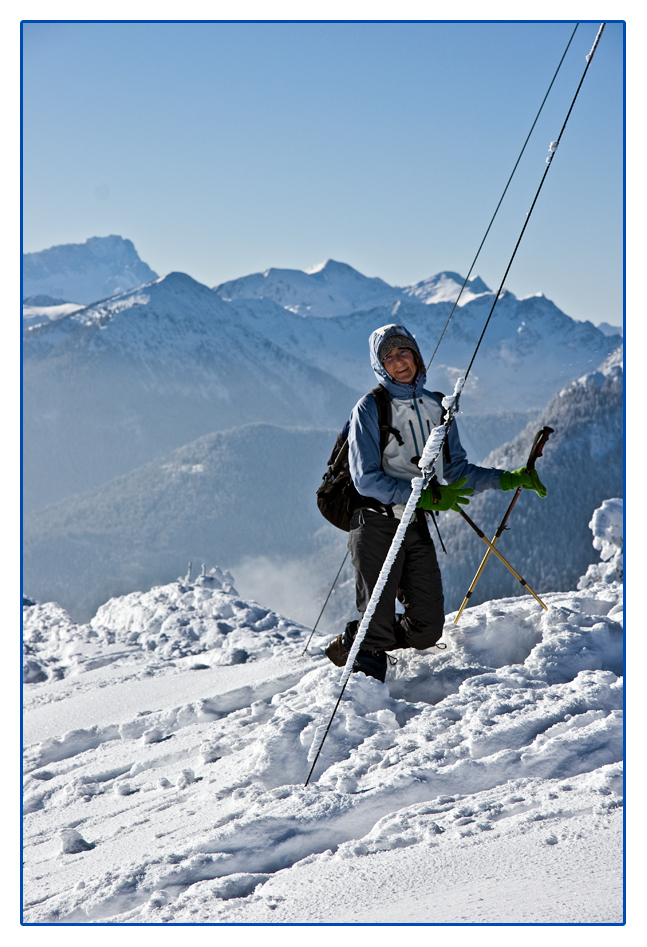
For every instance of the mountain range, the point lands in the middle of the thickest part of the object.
(170, 421)
(114, 385)
(110, 386)
(336, 289)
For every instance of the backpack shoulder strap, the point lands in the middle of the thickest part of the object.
(443, 417)
(383, 401)
(443, 412)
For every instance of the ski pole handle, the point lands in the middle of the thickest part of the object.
(538, 446)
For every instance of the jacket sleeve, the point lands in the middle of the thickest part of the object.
(365, 459)
(478, 478)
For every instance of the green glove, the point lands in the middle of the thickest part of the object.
(511, 479)
(441, 497)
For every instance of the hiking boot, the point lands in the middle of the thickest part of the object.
(371, 663)
(337, 650)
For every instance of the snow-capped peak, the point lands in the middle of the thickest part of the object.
(85, 272)
(317, 268)
(445, 287)
(327, 289)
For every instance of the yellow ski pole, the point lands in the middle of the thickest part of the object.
(536, 451)
(492, 548)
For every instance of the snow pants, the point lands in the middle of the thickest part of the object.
(414, 580)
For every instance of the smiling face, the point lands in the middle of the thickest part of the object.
(401, 365)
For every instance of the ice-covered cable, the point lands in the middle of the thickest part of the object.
(427, 462)
(597, 40)
(416, 489)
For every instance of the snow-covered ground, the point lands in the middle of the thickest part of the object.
(168, 741)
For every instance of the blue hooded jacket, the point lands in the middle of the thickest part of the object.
(364, 457)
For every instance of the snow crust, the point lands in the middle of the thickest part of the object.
(164, 775)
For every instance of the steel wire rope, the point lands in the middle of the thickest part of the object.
(325, 603)
(549, 160)
(505, 189)
(460, 384)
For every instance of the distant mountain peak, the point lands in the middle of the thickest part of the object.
(326, 289)
(334, 268)
(182, 281)
(317, 268)
(445, 287)
(85, 272)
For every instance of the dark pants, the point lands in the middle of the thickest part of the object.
(414, 580)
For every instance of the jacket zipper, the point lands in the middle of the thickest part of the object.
(422, 430)
(415, 442)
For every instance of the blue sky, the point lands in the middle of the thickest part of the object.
(222, 149)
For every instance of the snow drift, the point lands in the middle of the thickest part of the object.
(167, 742)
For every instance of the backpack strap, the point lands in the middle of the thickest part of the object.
(383, 401)
(446, 455)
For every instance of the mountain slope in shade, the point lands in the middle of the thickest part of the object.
(84, 272)
(548, 541)
(227, 495)
(246, 499)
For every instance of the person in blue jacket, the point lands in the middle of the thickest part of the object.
(386, 478)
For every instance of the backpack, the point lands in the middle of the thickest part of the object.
(337, 497)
